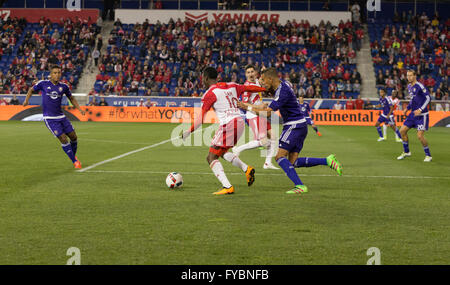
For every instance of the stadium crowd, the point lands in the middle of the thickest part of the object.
(167, 59)
(411, 42)
(28, 49)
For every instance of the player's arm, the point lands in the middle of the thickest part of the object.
(248, 88)
(74, 101)
(257, 109)
(76, 105)
(35, 87)
(208, 101)
(425, 104)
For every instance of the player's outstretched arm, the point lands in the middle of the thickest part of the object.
(76, 105)
(27, 98)
(258, 109)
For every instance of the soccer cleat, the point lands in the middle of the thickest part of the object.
(269, 166)
(250, 174)
(403, 155)
(334, 164)
(225, 191)
(381, 139)
(298, 189)
(398, 139)
(427, 159)
(319, 134)
(77, 164)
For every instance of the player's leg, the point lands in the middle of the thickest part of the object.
(310, 122)
(256, 142)
(291, 140)
(67, 148)
(422, 126)
(377, 126)
(405, 141)
(330, 161)
(73, 141)
(57, 129)
(271, 148)
(396, 131)
(213, 160)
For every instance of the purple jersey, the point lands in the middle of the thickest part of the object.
(386, 104)
(420, 97)
(305, 109)
(51, 98)
(286, 101)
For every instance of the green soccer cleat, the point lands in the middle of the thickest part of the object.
(298, 189)
(334, 164)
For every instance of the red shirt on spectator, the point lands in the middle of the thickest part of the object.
(350, 105)
(359, 104)
(430, 82)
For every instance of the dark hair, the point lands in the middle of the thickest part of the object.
(248, 66)
(271, 71)
(411, 70)
(210, 72)
(55, 66)
(382, 89)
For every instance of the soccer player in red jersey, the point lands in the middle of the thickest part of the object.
(223, 98)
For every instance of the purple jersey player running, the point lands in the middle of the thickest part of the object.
(418, 118)
(306, 111)
(295, 129)
(386, 117)
(52, 92)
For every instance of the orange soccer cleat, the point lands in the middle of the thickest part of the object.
(250, 174)
(319, 134)
(77, 164)
(225, 191)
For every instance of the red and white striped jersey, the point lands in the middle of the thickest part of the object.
(395, 102)
(223, 98)
(254, 98)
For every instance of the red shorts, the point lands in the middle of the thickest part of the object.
(227, 136)
(259, 126)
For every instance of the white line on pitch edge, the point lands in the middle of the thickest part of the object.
(270, 174)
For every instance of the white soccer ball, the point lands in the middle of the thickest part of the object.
(174, 180)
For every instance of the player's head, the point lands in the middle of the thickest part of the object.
(394, 94)
(55, 73)
(382, 92)
(250, 73)
(300, 99)
(209, 76)
(411, 76)
(269, 78)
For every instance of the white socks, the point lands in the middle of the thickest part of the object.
(271, 151)
(249, 145)
(234, 160)
(217, 169)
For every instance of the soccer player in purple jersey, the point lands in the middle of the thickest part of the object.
(386, 116)
(52, 92)
(306, 111)
(295, 129)
(418, 118)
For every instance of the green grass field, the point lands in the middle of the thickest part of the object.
(121, 212)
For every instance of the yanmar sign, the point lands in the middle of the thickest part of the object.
(129, 16)
(235, 17)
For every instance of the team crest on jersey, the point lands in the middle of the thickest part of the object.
(56, 132)
(60, 89)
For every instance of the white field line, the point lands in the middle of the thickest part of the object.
(271, 174)
(131, 152)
